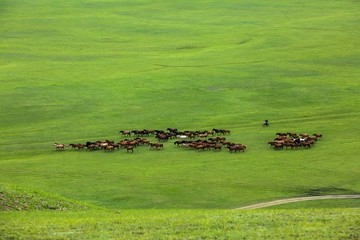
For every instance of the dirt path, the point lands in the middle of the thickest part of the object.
(298, 199)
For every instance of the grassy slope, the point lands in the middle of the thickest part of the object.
(73, 71)
(44, 215)
(184, 224)
(14, 198)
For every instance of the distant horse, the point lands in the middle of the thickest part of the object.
(125, 132)
(129, 149)
(237, 148)
(109, 148)
(182, 136)
(217, 147)
(76, 145)
(317, 135)
(156, 146)
(162, 137)
(172, 130)
(59, 146)
(278, 146)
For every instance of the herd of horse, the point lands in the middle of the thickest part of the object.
(214, 139)
(198, 140)
(108, 145)
(294, 140)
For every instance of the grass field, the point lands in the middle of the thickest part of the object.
(38, 215)
(77, 71)
(184, 224)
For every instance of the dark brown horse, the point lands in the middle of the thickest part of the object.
(237, 148)
(217, 147)
(157, 146)
(317, 135)
(278, 145)
(162, 137)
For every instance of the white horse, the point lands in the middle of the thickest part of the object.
(182, 136)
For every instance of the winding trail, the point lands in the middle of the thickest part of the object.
(297, 199)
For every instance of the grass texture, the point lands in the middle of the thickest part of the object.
(183, 224)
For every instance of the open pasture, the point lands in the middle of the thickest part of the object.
(78, 70)
(184, 224)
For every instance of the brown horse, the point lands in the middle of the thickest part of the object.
(125, 133)
(304, 135)
(217, 147)
(91, 147)
(129, 149)
(306, 144)
(278, 145)
(76, 145)
(317, 135)
(237, 148)
(109, 148)
(162, 137)
(232, 148)
(157, 146)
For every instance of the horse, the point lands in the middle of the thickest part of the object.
(144, 141)
(172, 130)
(304, 135)
(306, 144)
(233, 148)
(76, 145)
(103, 145)
(200, 147)
(218, 131)
(125, 133)
(73, 145)
(109, 148)
(202, 135)
(278, 145)
(280, 138)
(91, 147)
(162, 137)
(317, 135)
(292, 134)
(237, 147)
(217, 147)
(156, 146)
(129, 148)
(60, 146)
(182, 136)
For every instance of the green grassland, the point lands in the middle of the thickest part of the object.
(183, 224)
(77, 71)
(38, 215)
